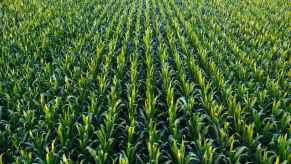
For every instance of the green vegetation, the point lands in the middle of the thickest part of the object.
(145, 81)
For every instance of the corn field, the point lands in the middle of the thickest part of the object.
(145, 81)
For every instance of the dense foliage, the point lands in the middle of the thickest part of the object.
(145, 81)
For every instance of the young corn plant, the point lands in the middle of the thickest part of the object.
(51, 156)
(84, 131)
(283, 147)
(264, 156)
(205, 151)
(178, 153)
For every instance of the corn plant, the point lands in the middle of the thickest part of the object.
(145, 81)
